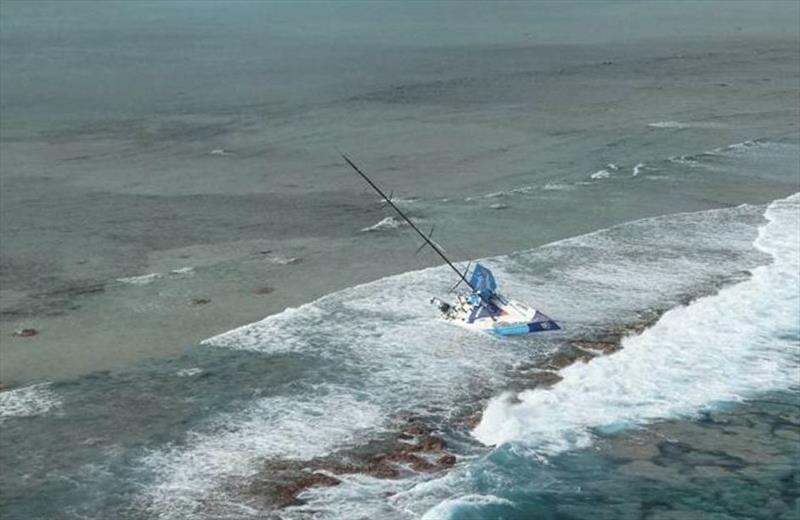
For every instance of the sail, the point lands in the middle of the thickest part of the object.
(482, 281)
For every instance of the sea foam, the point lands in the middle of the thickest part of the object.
(465, 507)
(28, 401)
(393, 356)
(231, 445)
(677, 125)
(726, 347)
(386, 223)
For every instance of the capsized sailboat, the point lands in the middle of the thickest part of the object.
(481, 308)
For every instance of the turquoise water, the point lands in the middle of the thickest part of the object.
(616, 164)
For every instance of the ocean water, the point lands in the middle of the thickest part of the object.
(223, 309)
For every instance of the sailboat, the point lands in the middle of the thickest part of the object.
(481, 308)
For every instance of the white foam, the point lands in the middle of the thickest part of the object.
(387, 223)
(556, 186)
(602, 174)
(458, 507)
(398, 201)
(144, 279)
(189, 372)
(28, 401)
(638, 169)
(677, 125)
(523, 190)
(725, 347)
(685, 160)
(231, 445)
(499, 206)
(283, 260)
(735, 146)
(149, 278)
(666, 124)
(397, 357)
(403, 359)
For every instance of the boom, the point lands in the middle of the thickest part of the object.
(410, 223)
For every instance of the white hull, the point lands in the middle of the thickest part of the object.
(507, 318)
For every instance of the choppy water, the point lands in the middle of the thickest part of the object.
(148, 209)
(168, 440)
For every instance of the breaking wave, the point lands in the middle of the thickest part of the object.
(743, 340)
(466, 507)
(387, 223)
(387, 354)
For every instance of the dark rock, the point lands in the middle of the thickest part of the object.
(430, 443)
(286, 495)
(280, 482)
(200, 301)
(415, 429)
(406, 457)
(264, 290)
(565, 358)
(606, 347)
(544, 378)
(378, 469)
(473, 420)
(26, 333)
(445, 461)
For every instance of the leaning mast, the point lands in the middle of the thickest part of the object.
(410, 223)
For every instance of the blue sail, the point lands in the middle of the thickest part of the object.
(482, 280)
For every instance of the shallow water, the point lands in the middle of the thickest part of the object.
(149, 211)
(172, 439)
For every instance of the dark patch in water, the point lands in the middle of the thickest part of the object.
(413, 449)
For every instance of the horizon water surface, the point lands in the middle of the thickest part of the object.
(169, 176)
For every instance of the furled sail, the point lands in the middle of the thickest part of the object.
(482, 282)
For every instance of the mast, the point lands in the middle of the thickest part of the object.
(410, 223)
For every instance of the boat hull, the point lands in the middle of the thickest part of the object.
(507, 317)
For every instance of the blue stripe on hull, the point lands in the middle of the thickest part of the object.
(516, 330)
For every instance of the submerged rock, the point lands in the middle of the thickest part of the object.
(413, 449)
(286, 495)
(264, 290)
(26, 333)
(567, 357)
(545, 378)
(606, 347)
(446, 460)
(200, 301)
